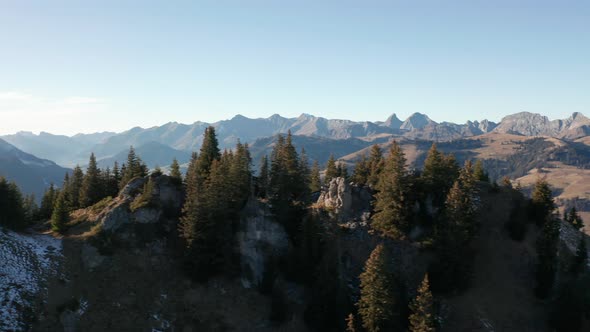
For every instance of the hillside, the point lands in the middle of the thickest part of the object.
(33, 175)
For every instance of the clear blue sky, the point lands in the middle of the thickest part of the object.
(84, 66)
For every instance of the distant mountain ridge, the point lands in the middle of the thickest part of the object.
(32, 174)
(188, 137)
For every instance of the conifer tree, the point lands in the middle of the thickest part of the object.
(479, 172)
(378, 301)
(574, 218)
(157, 171)
(439, 174)
(315, 182)
(209, 152)
(361, 172)
(547, 246)
(73, 192)
(422, 316)
(47, 202)
(263, 177)
(31, 209)
(342, 170)
(542, 201)
(392, 206)
(331, 170)
(175, 172)
(133, 168)
(304, 171)
(91, 192)
(375, 164)
(12, 213)
(59, 217)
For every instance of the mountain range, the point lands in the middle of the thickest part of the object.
(32, 174)
(158, 144)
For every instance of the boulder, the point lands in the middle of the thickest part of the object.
(347, 201)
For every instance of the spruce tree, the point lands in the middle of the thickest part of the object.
(375, 164)
(175, 173)
(263, 177)
(574, 218)
(422, 309)
(47, 202)
(439, 174)
(315, 182)
(133, 168)
(392, 206)
(31, 209)
(12, 212)
(378, 302)
(361, 172)
(91, 192)
(479, 172)
(59, 217)
(547, 246)
(542, 202)
(208, 153)
(331, 170)
(73, 193)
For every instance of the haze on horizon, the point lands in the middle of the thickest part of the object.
(70, 67)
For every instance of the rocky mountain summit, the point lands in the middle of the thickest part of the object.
(532, 124)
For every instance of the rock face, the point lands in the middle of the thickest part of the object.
(346, 200)
(118, 219)
(416, 121)
(260, 240)
(532, 124)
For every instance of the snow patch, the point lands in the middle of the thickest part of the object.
(26, 261)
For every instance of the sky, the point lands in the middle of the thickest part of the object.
(86, 66)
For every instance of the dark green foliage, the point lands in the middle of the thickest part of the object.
(393, 213)
(91, 191)
(60, 214)
(288, 190)
(217, 187)
(315, 182)
(479, 172)
(454, 232)
(157, 171)
(331, 170)
(422, 308)
(375, 165)
(542, 204)
(132, 169)
(47, 202)
(378, 303)
(342, 170)
(31, 209)
(73, 190)
(580, 263)
(362, 170)
(439, 173)
(263, 177)
(12, 212)
(175, 173)
(547, 246)
(574, 218)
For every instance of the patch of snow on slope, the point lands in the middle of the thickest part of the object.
(26, 261)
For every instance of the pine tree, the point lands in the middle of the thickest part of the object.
(378, 301)
(479, 172)
(580, 263)
(175, 172)
(133, 168)
(73, 192)
(31, 209)
(361, 172)
(547, 246)
(439, 174)
(542, 202)
(263, 177)
(574, 218)
(208, 153)
(12, 212)
(375, 163)
(315, 182)
(392, 206)
(422, 316)
(91, 192)
(59, 217)
(331, 170)
(47, 202)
